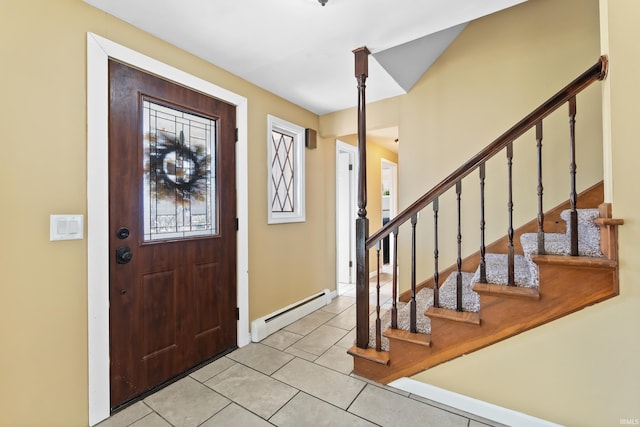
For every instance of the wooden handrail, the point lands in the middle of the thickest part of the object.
(596, 72)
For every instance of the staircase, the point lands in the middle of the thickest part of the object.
(547, 287)
(564, 260)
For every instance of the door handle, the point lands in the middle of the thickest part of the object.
(123, 255)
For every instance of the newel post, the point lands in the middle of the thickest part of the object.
(362, 222)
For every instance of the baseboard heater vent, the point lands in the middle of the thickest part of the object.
(265, 326)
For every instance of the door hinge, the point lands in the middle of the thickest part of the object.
(237, 224)
(236, 134)
(350, 263)
(237, 313)
(350, 167)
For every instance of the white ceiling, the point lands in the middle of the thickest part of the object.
(301, 50)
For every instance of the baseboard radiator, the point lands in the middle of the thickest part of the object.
(265, 326)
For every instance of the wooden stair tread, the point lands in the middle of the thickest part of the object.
(399, 334)
(381, 357)
(574, 261)
(608, 221)
(506, 291)
(453, 315)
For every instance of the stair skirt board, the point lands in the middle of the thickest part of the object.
(266, 325)
(469, 405)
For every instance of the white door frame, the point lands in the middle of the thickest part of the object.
(99, 50)
(344, 147)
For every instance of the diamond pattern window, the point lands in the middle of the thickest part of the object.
(286, 171)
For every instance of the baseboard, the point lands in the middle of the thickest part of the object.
(266, 325)
(470, 405)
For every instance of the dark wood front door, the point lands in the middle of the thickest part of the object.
(172, 210)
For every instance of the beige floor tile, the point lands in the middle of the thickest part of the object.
(253, 390)
(337, 359)
(305, 410)
(260, 357)
(309, 322)
(389, 409)
(323, 383)
(212, 369)
(348, 340)
(301, 354)
(320, 340)
(480, 420)
(345, 320)
(234, 415)
(127, 416)
(186, 403)
(281, 339)
(339, 304)
(151, 420)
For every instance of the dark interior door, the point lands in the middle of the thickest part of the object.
(172, 210)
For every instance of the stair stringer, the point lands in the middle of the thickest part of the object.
(567, 284)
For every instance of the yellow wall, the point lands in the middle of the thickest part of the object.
(498, 70)
(581, 370)
(43, 308)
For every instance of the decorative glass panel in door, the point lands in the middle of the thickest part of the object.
(179, 183)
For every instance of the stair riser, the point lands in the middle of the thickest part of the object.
(565, 289)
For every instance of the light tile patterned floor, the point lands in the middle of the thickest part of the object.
(298, 376)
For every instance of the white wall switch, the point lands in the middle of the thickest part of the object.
(66, 227)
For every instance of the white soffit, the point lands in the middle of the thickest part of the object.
(409, 61)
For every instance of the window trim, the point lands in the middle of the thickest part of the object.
(298, 134)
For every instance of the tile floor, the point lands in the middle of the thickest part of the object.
(298, 376)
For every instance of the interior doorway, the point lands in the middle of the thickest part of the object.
(346, 208)
(389, 188)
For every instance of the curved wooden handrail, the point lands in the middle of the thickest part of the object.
(596, 72)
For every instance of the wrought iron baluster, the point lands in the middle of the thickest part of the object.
(541, 249)
(436, 274)
(378, 323)
(572, 171)
(459, 261)
(483, 249)
(394, 307)
(510, 251)
(412, 304)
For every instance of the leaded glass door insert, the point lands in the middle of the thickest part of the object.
(179, 185)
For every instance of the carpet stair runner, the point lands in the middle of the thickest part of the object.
(526, 274)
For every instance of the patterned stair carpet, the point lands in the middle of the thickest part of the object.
(525, 274)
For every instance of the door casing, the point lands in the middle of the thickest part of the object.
(342, 147)
(99, 50)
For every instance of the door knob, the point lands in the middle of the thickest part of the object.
(123, 255)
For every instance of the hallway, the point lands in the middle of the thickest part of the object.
(298, 376)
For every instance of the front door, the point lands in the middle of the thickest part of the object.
(172, 210)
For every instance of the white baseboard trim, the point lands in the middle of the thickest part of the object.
(266, 325)
(468, 404)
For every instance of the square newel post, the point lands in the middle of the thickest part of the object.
(362, 222)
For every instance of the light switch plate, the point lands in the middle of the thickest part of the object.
(66, 227)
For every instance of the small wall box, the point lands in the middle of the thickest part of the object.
(310, 138)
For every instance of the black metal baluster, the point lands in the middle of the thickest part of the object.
(394, 307)
(541, 249)
(572, 171)
(510, 251)
(483, 249)
(459, 275)
(378, 323)
(436, 274)
(412, 304)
